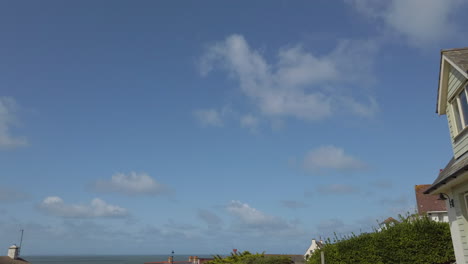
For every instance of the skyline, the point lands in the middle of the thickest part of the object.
(147, 127)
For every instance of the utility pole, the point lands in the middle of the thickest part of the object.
(21, 241)
(322, 256)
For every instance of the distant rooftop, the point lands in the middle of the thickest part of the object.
(8, 260)
(428, 202)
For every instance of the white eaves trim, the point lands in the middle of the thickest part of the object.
(443, 82)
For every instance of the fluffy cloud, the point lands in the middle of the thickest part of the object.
(300, 84)
(331, 157)
(54, 205)
(251, 218)
(131, 184)
(8, 108)
(421, 22)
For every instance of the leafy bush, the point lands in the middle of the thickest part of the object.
(414, 240)
(248, 258)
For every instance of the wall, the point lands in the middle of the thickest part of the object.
(458, 222)
(459, 146)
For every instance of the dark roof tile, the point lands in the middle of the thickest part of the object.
(450, 172)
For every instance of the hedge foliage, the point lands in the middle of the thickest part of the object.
(248, 258)
(414, 240)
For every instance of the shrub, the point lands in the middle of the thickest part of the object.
(248, 258)
(414, 240)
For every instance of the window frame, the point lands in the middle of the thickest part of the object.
(458, 115)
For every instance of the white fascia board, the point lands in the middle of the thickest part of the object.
(443, 83)
(443, 87)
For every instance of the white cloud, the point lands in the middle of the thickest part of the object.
(300, 84)
(250, 217)
(208, 117)
(8, 108)
(54, 205)
(421, 22)
(331, 157)
(131, 184)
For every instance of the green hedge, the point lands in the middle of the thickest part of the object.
(248, 258)
(412, 241)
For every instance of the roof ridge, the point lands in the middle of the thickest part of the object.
(454, 49)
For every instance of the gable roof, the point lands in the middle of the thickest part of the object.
(8, 260)
(389, 221)
(456, 58)
(453, 169)
(427, 202)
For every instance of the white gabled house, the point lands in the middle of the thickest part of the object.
(452, 182)
(314, 245)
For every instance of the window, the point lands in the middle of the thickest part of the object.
(460, 110)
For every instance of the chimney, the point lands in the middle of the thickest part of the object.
(195, 260)
(13, 252)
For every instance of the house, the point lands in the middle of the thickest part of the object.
(386, 223)
(314, 245)
(430, 205)
(452, 182)
(13, 257)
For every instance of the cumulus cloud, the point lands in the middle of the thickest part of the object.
(331, 157)
(337, 189)
(131, 184)
(299, 84)
(55, 205)
(421, 22)
(251, 218)
(8, 109)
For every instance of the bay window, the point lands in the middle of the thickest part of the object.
(460, 110)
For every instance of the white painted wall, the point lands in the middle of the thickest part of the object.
(13, 252)
(313, 246)
(458, 222)
(438, 216)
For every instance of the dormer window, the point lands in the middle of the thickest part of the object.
(460, 109)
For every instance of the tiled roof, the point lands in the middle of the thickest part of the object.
(458, 56)
(450, 172)
(388, 221)
(427, 202)
(8, 260)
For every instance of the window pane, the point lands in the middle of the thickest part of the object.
(464, 106)
(456, 114)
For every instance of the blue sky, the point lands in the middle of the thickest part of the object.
(148, 126)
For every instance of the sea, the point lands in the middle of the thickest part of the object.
(113, 259)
